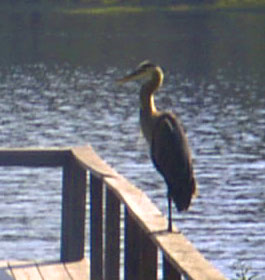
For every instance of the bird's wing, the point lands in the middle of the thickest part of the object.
(171, 156)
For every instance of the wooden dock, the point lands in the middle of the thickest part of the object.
(19, 270)
(144, 228)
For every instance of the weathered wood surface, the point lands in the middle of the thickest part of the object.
(34, 157)
(140, 253)
(112, 237)
(73, 211)
(96, 228)
(179, 252)
(18, 270)
(78, 270)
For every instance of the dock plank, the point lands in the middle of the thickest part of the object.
(30, 270)
(78, 270)
(53, 271)
(22, 270)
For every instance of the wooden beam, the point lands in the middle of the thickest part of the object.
(34, 157)
(169, 272)
(149, 266)
(96, 228)
(178, 251)
(90, 160)
(112, 237)
(131, 249)
(140, 252)
(73, 212)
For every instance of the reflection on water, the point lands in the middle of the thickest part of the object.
(57, 89)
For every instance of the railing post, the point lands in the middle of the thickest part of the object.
(149, 258)
(140, 252)
(112, 237)
(73, 211)
(96, 224)
(169, 273)
(131, 253)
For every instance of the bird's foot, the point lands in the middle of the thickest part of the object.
(170, 229)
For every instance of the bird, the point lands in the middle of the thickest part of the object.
(165, 134)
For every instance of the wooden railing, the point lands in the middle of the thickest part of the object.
(145, 228)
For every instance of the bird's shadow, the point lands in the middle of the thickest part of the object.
(165, 232)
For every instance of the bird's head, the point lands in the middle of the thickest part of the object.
(145, 70)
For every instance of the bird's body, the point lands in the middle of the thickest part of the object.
(167, 140)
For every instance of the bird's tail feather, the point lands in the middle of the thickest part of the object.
(182, 197)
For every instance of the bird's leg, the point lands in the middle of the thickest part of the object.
(169, 213)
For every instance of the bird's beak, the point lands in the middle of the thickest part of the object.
(138, 74)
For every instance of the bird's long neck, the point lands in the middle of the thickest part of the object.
(147, 105)
(147, 101)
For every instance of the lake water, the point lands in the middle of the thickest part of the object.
(57, 88)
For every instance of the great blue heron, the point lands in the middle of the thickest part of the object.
(164, 132)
